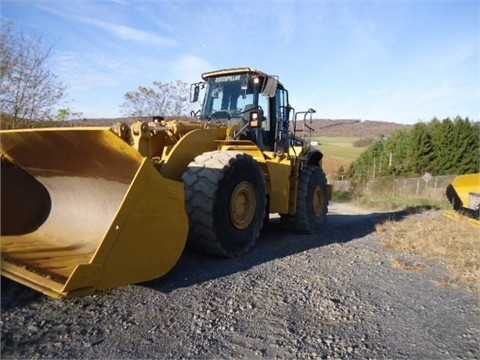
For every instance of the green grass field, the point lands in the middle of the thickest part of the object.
(339, 147)
(340, 141)
(337, 151)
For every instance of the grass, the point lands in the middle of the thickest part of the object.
(331, 165)
(433, 236)
(339, 147)
(342, 196)
(347, 141)
(430, 235)
(384, 202)
(406, 265)
(337, 151)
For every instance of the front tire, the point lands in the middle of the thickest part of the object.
(225, 201)
(312, 202)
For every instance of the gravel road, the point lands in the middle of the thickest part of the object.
(333, 295)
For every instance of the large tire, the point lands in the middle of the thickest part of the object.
(225, 201)
(312, 202)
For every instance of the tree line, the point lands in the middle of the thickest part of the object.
(439, 147)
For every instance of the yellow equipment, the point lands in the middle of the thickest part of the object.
(464, 195)
(87, 209)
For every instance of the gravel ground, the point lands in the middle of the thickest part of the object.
(333, 295)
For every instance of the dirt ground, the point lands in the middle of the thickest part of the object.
(330, 295)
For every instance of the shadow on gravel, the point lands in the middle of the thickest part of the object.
(15, 295)
(274, 243)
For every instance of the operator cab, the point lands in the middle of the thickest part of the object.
(234, 96)
(227, 96)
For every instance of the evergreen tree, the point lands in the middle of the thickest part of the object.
(396, 148)
(370, 163)
(420, 154)
(442, 137)
(445, 147)
(465, 143)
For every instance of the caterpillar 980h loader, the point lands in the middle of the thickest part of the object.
(87, 209)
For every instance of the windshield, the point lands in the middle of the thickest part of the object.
(228, 96)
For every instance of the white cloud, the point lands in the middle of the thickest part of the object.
(83, 11)
(189, 68)
(130, 33)
(86, 70)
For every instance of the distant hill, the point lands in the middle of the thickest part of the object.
(322, 127)
(353, 128)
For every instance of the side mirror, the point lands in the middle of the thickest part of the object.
(194, 92)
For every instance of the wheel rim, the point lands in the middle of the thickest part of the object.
(318, 201)
(242, 205)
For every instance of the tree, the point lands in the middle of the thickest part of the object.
(456, 143)
(28, 90)
(66, 113)
(165, 99)
(466, 157)
(441, 147)
(340, 173)
(396, 148)
(370, 164)
(421, 153)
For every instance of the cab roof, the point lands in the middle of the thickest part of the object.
(240, 70)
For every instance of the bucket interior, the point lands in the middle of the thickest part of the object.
(60, 192)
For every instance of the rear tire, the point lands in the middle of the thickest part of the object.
(312, 202)
(225, 201)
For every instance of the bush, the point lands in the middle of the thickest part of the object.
(364, 142)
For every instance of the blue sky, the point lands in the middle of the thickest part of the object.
(399, 61)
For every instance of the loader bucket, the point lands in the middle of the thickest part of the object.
(460, 190)
(82, 211)
(464, 194)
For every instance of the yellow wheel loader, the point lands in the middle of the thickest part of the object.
(464, 195)
(87, 209)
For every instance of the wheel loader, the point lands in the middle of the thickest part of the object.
(464, 195)
(87, 209)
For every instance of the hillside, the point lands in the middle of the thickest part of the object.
(353, 128)
(323, 127)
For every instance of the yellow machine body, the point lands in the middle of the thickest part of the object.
(87, 209)
(83, 210)
(464, 195)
